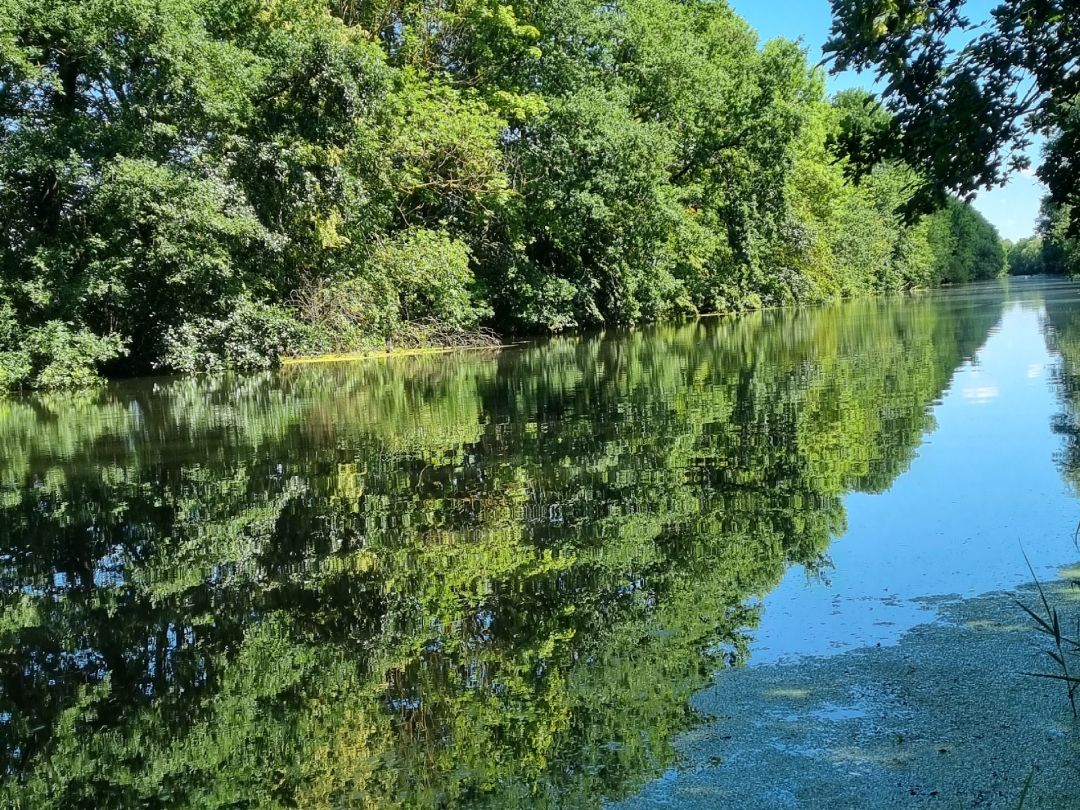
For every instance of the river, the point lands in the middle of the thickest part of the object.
(661, 567)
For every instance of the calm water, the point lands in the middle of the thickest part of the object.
(496, 580)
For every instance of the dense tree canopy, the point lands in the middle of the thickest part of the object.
(1028, 257)
(190, 184)
(1055, 249)
(1061, 243)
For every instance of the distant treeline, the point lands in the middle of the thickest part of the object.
(190, 184)
(969, 88)
(1054, 250)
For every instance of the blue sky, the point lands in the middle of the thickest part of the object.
(1013, 209)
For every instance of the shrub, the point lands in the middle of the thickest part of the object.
(348, 314)
(55, 355)
(430, 271)
(254, 335)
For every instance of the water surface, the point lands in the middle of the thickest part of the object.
(497, 579)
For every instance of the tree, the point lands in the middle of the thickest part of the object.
(863, 132)
(1016, 78)
(191, 185)
(1026, 257)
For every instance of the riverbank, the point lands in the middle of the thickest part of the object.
(488, 340)
(947, 717)
(388, 354)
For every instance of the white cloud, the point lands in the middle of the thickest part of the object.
(980, 395)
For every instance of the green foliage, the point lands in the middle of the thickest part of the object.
(53, 355)
(1027, 257)
(422, 287)
(63, 357)
(431, 273)
(863, 131)
(966, 245)
(1055, 250)
(988, 85)
(602, 209)
(214, 183)
(251, 336)
(1061, 244)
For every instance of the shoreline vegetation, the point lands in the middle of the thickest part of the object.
(486, 340)
(195, 185)
(389, 354)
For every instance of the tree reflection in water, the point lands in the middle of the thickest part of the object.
(486, 580)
